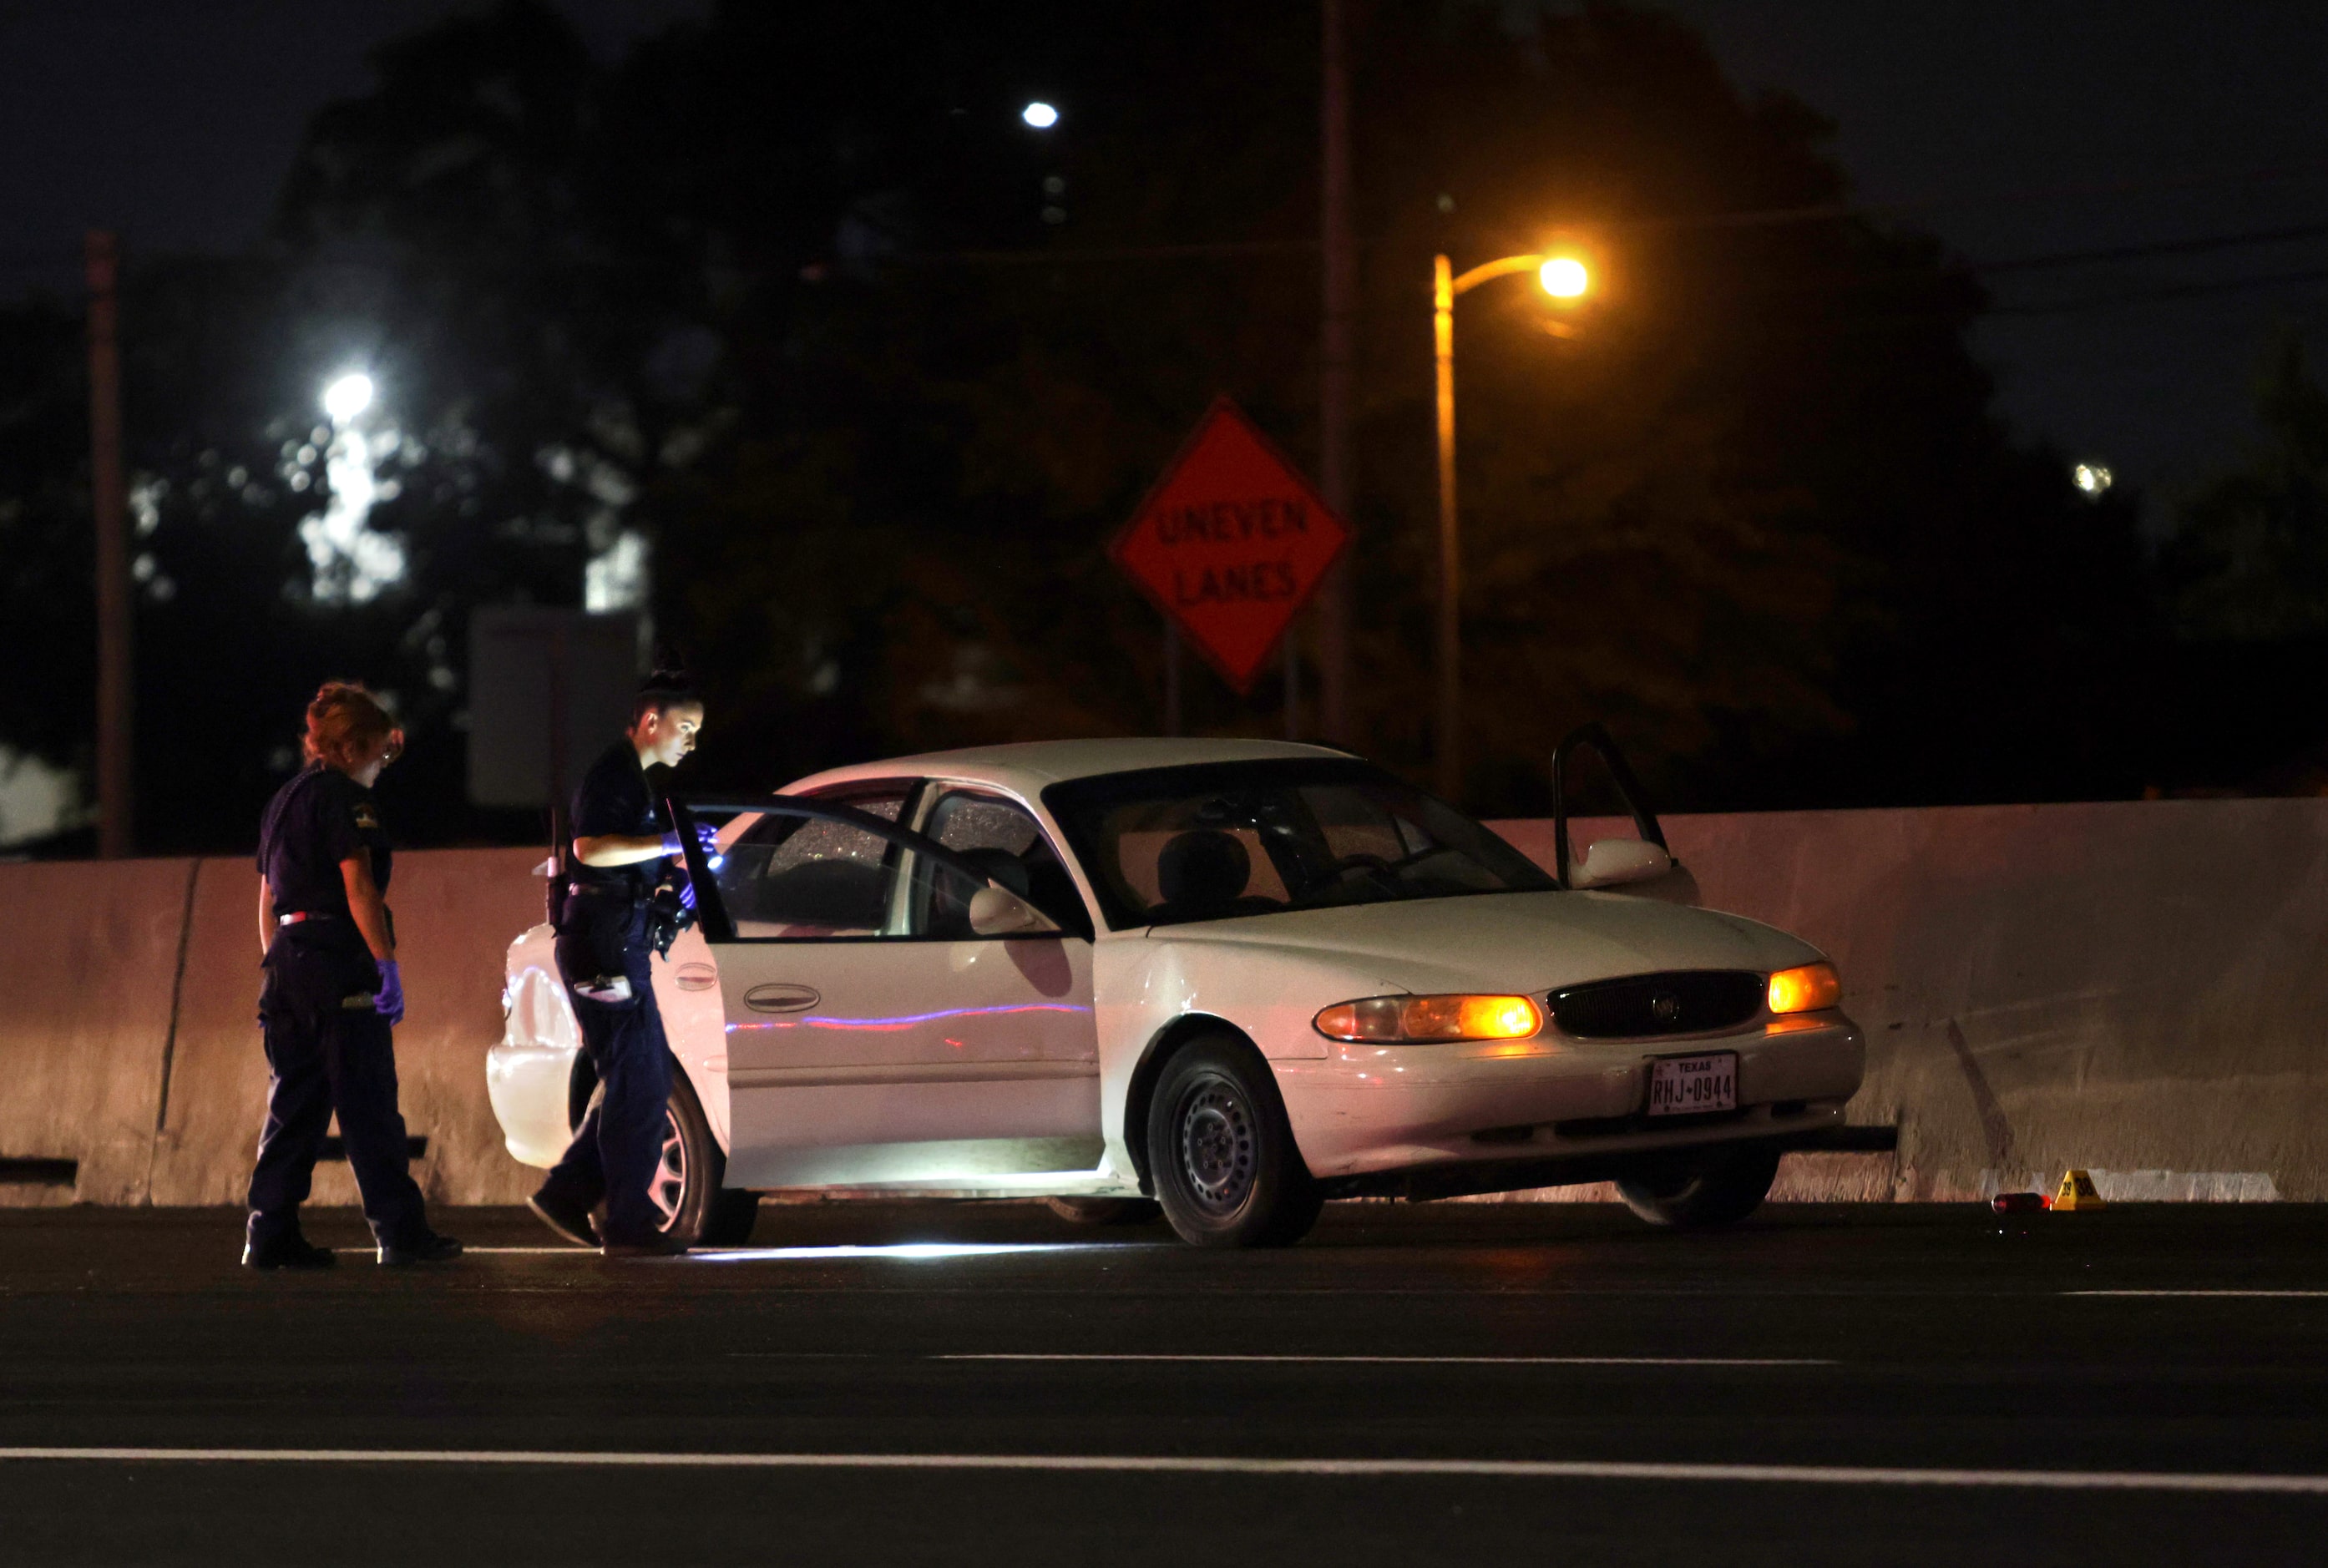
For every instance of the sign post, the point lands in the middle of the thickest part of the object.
(1230, 545)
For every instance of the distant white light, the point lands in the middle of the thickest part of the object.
(1039, 114)
(2093, 479)
(347, 397)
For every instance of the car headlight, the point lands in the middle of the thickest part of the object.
(1388, 1019)
(1805, 988)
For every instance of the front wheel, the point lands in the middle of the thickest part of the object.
(1225, 1166)
(1704, 1195)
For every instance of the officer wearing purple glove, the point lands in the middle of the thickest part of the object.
(605, 933)
(333, 993)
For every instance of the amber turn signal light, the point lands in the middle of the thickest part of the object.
(1391, 1019)
(1805, 988)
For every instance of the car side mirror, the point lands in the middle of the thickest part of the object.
(1612, 862)
(998, 912)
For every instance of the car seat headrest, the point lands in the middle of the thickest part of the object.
(1000, 866)
(1203, 868)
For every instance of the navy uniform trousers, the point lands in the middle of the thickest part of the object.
(326, 1059)
(617, 1151)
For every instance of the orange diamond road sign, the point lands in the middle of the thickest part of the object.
(1230, 543)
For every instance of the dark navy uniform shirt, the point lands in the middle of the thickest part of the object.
(614, 798)
(315, 821)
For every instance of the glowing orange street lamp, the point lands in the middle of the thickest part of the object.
(1567, 279)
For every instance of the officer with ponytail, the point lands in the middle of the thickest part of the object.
(333, 993)
(608, 924)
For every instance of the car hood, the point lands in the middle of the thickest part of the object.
(1513, 942)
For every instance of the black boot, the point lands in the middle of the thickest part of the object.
(569, 1215)
(427, 1247)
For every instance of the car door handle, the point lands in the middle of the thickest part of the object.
(781, 998)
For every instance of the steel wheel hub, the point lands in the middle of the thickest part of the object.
(1216, 1147)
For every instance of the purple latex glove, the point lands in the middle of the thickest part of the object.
(389, 1001)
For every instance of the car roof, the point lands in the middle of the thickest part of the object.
(1026, 767)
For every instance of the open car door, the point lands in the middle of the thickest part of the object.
(896, 1016)
(1644, 864)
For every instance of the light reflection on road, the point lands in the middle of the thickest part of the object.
(909, 1252)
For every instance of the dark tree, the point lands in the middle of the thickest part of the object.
(786, 324)
(2248, 561)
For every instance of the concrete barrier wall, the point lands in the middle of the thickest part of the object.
(87, 969)
(147, 1071)
(2133, 987)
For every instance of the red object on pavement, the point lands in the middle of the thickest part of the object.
(1230, 543)
(2018, 1202)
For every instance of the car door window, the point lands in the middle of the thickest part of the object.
(808, 878)
(1002, 839)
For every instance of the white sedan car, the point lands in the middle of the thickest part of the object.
(1232, 978)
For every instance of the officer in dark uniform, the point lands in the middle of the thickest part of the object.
(604, 933)
(333, 993)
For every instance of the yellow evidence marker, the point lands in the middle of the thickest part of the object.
(2078, 1191)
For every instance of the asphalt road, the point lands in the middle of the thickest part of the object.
(1420, 1384)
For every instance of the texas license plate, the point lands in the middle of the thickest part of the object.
(1686, 1085)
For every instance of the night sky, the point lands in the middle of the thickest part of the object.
(2015, 130)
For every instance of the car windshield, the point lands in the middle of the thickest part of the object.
(1214, 841)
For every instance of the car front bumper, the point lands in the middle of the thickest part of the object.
(1369, 1111)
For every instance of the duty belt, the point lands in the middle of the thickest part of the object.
(600, 890)
(297, 916)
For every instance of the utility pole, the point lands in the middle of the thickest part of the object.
(108, 497)
(1336, 358)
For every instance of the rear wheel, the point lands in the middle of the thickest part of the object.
(690, 1203)
(1226, 1170)
(1703, 1195)
(1105, 1210)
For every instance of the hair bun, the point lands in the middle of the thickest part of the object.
(345, 723)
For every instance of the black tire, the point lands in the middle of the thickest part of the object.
(1225, 1167)
(1106, 1210)
(733, 1215)
(686, 1189)
(1705, 1194)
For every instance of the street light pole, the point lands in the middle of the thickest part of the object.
(1450, 550)
(1564, 279)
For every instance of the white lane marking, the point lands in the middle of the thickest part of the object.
(1137, 1464)
(1438, 1361)
(2301, 1294)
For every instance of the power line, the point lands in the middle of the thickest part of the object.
(2166, 292)
(1828, 211)
(2161, 247)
